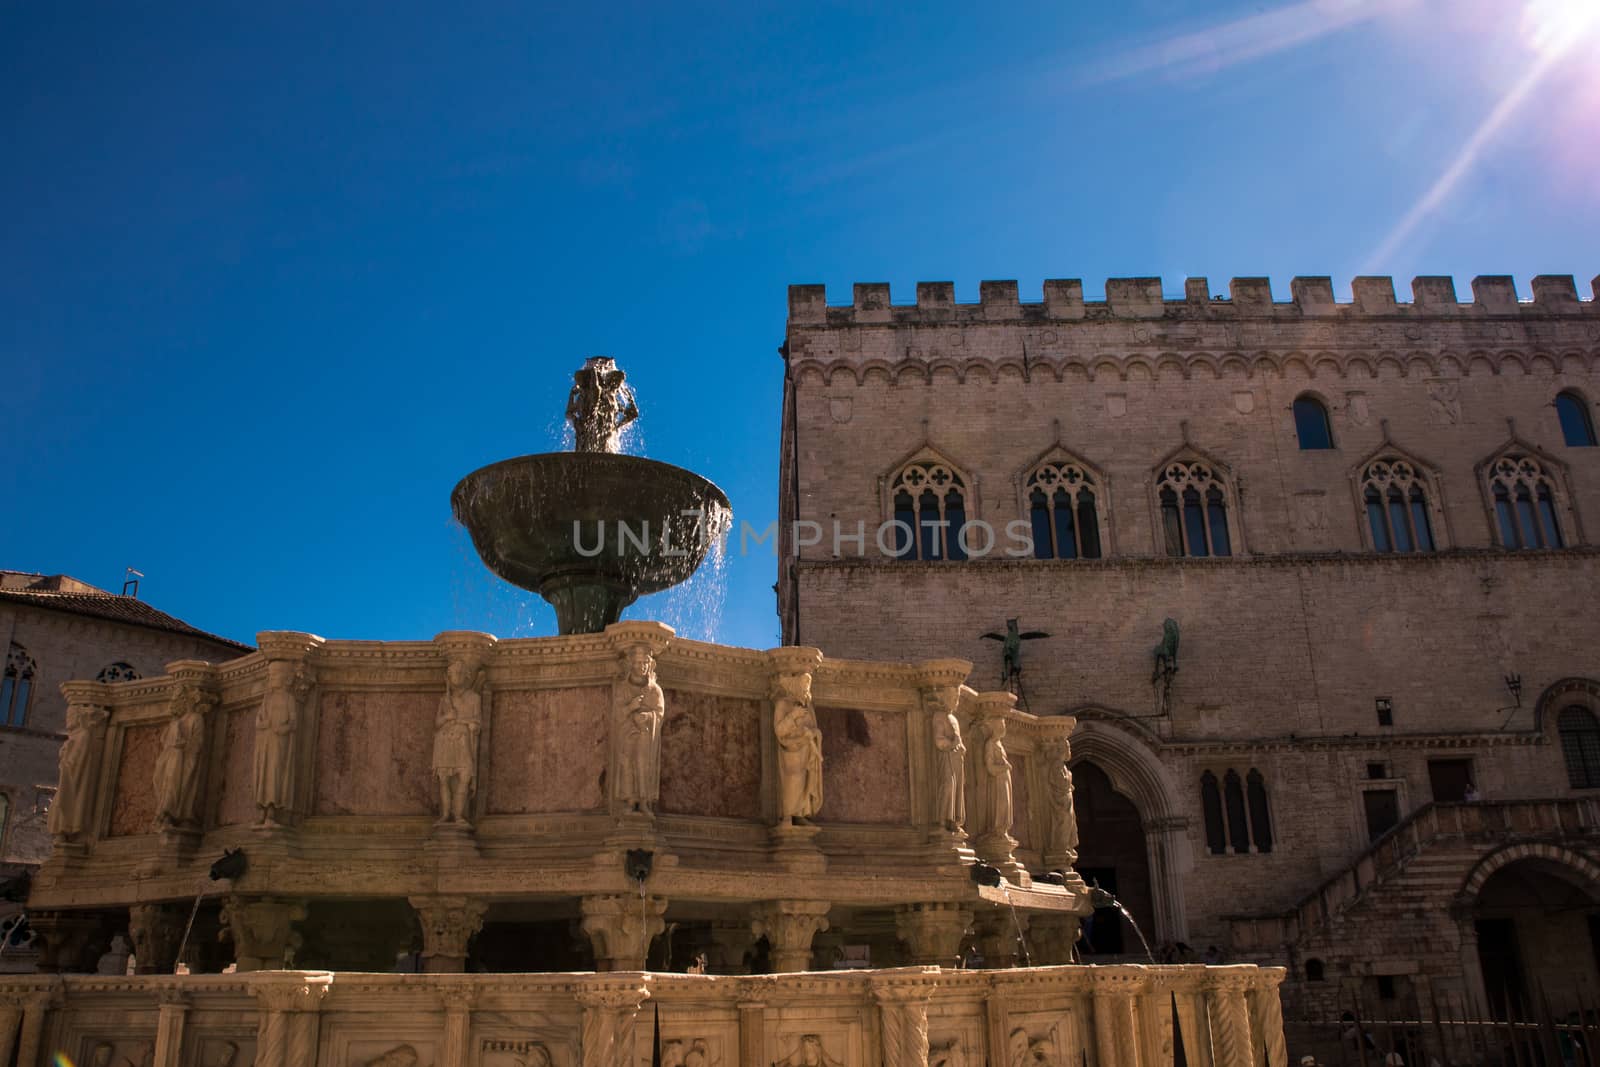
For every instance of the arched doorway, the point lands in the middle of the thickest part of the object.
(1537, 926)
(1111, 853)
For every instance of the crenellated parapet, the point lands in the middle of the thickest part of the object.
(1137, 331)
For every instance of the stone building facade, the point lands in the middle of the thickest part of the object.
(56, 629)
(1374, 754)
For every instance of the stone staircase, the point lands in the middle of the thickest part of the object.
(1420, 863)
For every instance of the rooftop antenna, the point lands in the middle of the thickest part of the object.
(130, 583)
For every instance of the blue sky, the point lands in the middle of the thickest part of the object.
(274, 276)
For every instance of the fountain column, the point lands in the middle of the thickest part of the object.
(1230, 1017)
(262, 929)
(169, 1027)
(448, 925)
(790, 926)
(903, 1018)
(1266, 1017)
(156, 931)
(933, 932)
(997, 933)
(286, 1034)
(610, 1009)
(621, 927)
(1116, 1033)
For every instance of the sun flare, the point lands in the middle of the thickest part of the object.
(1553, 26)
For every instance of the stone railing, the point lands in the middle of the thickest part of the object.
(1123, 1016)
(464, 769)
(1384, 858)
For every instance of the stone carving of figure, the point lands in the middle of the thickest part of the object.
(276, 720)
(998, 767)
(799, 749)
(600, 405)
(179, 765)
(641, 707)
(809, 1053)
(949, 758)
(69, 814)
(399, 1056)
(698, 1055)
(1063, 840)
(455, 738)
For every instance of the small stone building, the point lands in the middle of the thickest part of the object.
(56, 629)
(1318, 580)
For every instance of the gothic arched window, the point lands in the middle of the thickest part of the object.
(1525, 502)
(1260, 820)
(16, 686)
(1577, 428)
(1580, 746)
(1238, 821)
(1194, 510)
(117, 672)
(1211, 808)
(1311, 424)
(1396, 502)
(1062, 507)
(929, 501)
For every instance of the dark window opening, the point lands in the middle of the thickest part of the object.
(1316, 971)
(1211, 807)
(1580, 746)
(1238, 822)
(1382, 810)
(1449, 779)
(1311, 424)
(1377, 771)
(1577, 428)
(1260, 822)
(1385, 708)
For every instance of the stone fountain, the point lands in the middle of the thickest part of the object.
(609, 805)
(593, 529)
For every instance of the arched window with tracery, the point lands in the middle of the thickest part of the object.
(1211, 808)
(929, 499)
(117, 672)
(1395, 497)
(1526, 504)
(1194, 509)
(1062, 506)
(16, 686)
(1255, 788)
(1577, 427)
(1238, 821)
(1580, 746)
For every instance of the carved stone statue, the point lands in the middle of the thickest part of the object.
(640, 709)
(276, 722)
(1061, 846)
(600, 405)
(70, 812)
(998, 768)
(1166, 657)
(455, 738)
(809, 1053)
(179, 766)
(949, 759)
(794, 724)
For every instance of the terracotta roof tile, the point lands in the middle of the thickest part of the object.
(109, 606)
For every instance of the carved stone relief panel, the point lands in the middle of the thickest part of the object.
(207, 1050)
(233, 799)
(99, 1051)
(1021, 825)
(536, 1041)
(800, 1036)
(955, 1035)
(367, 1045)
(1047, 1039)
(691, 1043)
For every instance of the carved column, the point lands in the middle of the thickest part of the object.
(1266, 1016)
(995, 844)
(71, 941)
(72, 815)
(1051, 936)
(1188, 991)
(286, 1033)
(1230, 1017)
(156, 931)
(610, 1009)
(997, 936)
(621, 928)
(10, 1022)
(753, 996)
(789, 926)
(169, 1027)
(903, 1017)
(448, 924)
(262, 930)
(933, 932)
(280, 744)
(30, 1046)
(457, 1027)
(1116, 1033)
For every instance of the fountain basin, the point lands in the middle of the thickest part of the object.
(590, 532)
